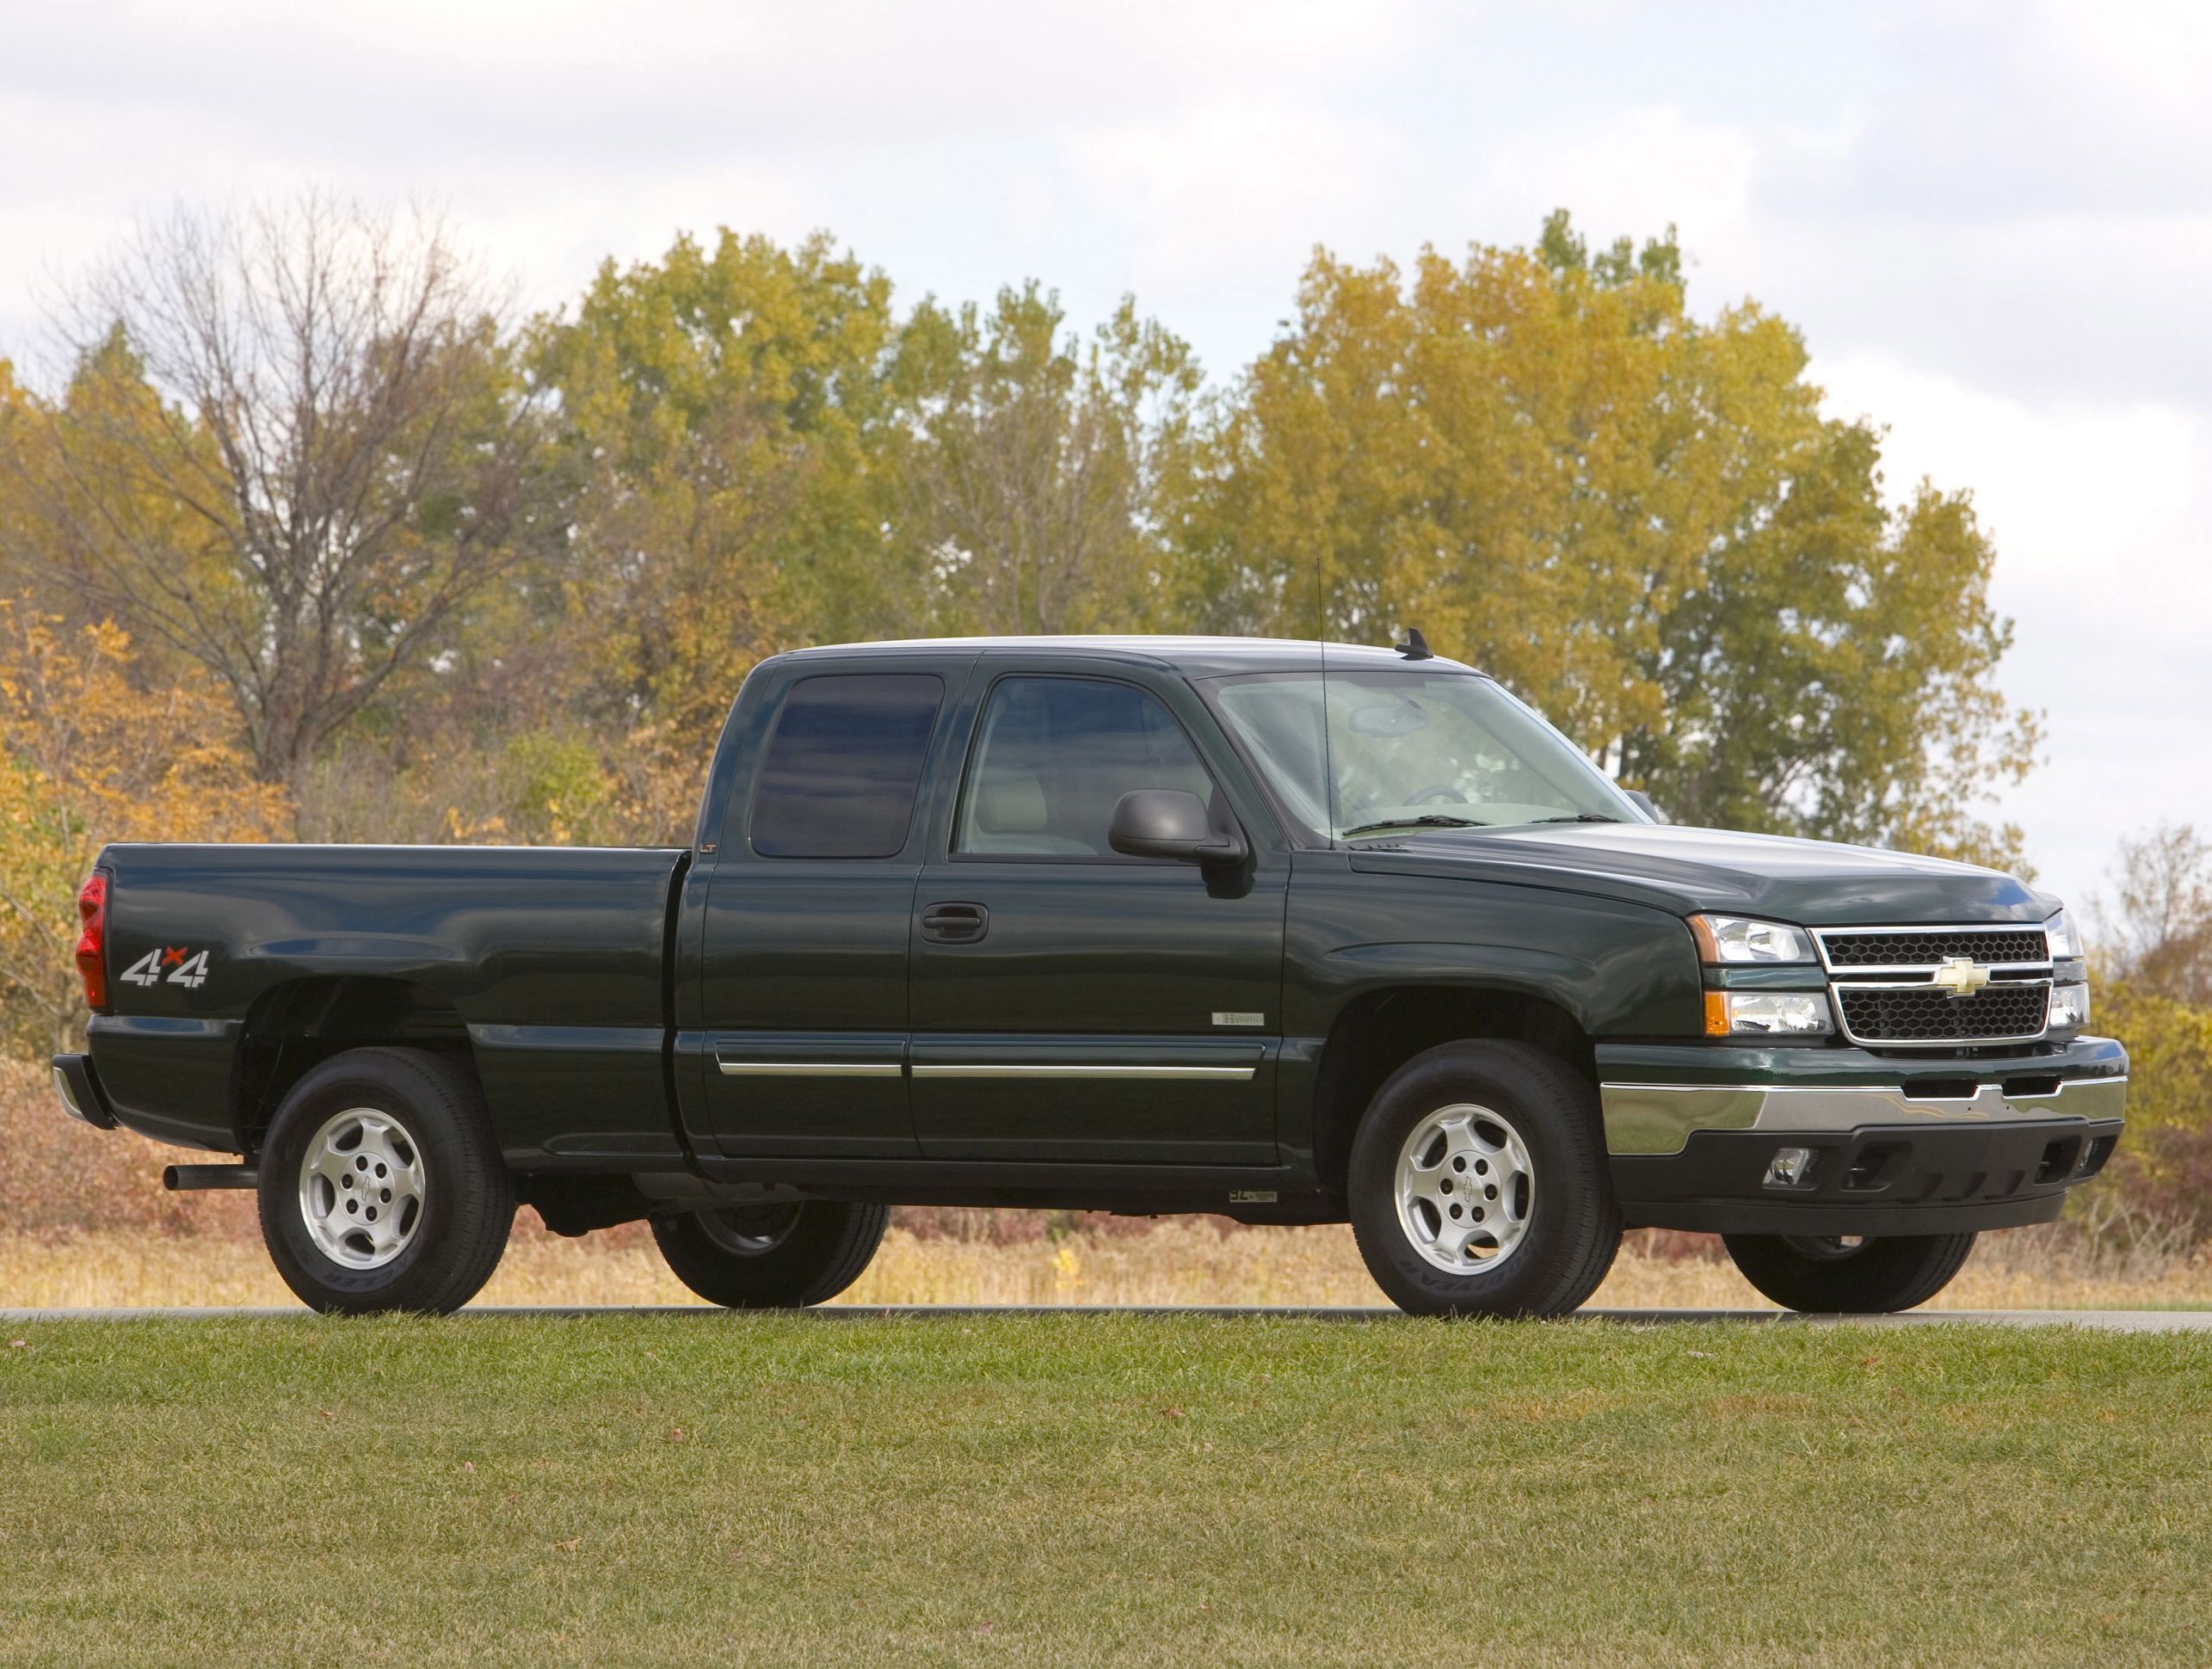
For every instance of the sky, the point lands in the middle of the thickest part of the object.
(1993, 223)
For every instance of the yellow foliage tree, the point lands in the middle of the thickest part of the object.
(1636, 518)
(88, 757)
(715, 409)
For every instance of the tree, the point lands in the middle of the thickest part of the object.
(1636, 519)
(294, 444)
(87, 757)
(2158, 930)
(720, 410)
(1032, 483)
(1831, 671)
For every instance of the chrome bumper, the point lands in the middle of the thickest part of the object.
(1659, 1118)
(80, 1092)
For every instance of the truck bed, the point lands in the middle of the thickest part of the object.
(551, 962)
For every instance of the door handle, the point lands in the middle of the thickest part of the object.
(955, 924)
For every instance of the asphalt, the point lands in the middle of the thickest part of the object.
(2108, 1320)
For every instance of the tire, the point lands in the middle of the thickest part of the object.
(405, 1132)
(1829, 1276)
(1499, 1129)
(771, 1256)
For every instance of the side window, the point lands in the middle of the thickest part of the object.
(1055, 757)
(839, 777)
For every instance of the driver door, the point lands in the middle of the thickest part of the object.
(1073, 1004)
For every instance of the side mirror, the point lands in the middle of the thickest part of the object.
(1166, 822)
(1644, 804)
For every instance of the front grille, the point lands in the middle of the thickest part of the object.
(1924, 947)
(1929, 1015)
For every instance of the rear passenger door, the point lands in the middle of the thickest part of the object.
(1073, 1004)
(806, 940)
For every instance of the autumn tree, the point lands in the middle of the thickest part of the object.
(1033, 480)
(293, 445)
(88, 756)
(2156, 927)
(458, 579)
(720, 410)
(2152, 955)
(1637, 519)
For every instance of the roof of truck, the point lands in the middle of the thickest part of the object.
(1199, 656)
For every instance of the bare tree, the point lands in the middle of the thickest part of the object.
(292, 446)
(2160, 925)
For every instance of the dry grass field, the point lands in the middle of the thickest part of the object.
(1175, 1263)
(84, 1221)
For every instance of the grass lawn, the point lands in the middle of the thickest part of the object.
(1077, 1489)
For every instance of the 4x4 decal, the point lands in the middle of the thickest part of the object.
(179, 964)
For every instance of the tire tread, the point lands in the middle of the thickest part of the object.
(1566, 1104)
(437, 1087)
(842, 1241)
(1910, 1270)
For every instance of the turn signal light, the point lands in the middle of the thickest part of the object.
(1766, 1014)
(92, 940)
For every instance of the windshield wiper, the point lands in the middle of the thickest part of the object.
(1427, 820)
(1582, 818)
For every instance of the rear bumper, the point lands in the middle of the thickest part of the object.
(1915, 1178)
(78, 1086)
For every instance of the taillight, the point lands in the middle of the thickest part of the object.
(92, 942)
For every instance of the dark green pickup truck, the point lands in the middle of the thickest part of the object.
(1141, 925)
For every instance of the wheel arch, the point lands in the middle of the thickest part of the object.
(293, 1027)
(1379, 1031)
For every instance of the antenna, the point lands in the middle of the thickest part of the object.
(1415, 648)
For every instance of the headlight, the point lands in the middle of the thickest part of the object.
(2069, 1007)
(1766, 1014)
(1732, 939)
(2065, 941)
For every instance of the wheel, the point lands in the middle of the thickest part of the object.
(382, 1187)
(1848, 1277)
(771, 1256)
(1479, 1185)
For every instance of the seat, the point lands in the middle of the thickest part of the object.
(1007, 818)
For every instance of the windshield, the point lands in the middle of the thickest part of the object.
(1410, 750)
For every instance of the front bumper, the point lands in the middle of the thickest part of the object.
(1881, 1179)
(1901, 1144)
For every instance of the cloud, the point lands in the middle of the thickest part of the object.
(2020, 200)
(1991, 222)
(1232, 191)
(2102, 516)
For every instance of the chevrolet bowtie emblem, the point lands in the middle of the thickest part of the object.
(1960, 976)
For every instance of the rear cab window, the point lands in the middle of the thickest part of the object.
(843, 765)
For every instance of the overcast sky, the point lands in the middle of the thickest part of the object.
(1993, 223)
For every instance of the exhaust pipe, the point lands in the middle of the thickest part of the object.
(191, 1179)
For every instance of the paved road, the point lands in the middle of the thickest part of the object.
(2110, 1320)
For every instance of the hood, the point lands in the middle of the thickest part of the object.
(1813, 882)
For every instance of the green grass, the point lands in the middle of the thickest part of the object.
(1078, 1489)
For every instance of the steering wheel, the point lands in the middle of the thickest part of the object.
(1442, 793)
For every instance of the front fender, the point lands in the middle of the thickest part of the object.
(1621, 969)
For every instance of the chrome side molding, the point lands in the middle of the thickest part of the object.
(1048, 1070)
(809, 1069)
(1043, 1070)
